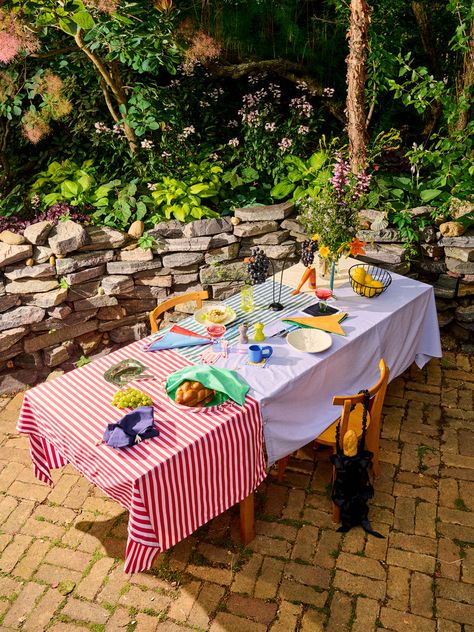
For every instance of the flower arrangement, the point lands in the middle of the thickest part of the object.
(332, 217)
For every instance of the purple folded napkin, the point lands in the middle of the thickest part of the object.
(132, 428)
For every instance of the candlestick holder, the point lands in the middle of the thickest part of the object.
(276, 305)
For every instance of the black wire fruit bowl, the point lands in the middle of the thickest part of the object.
(368, 280)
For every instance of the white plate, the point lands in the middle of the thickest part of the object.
(309, 340)
(200, 315)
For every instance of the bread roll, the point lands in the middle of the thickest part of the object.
(193, 394)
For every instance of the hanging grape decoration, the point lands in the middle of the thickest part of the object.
(257, 266)
(308, 248)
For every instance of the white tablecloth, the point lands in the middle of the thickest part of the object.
(295, 390)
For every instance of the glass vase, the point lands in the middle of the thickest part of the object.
(332, 275)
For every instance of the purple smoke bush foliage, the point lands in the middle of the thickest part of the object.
(54, 214)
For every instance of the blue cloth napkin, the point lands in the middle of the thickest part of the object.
(132, 428)
(174, 341)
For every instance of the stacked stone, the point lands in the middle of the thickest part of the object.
(446, 261)
(75, 290)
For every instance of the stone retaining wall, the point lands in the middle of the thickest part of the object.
(70, 291)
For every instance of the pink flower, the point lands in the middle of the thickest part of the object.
(285, 144)
(14, 37)
(9, 47)
(270, 127)
(187, 131)
(234, 142)
(101, 128)
(328, 92)
(34, 127)
(303, 130)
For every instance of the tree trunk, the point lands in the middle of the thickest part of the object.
(356, 77)
(466, 84)
(111, 87)
(423, 22)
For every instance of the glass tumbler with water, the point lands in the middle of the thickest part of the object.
(246, 299)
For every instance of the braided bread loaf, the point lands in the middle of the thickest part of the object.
(194, 394)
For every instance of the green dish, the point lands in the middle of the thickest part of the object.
(124, 372)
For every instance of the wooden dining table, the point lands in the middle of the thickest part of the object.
(204, 462)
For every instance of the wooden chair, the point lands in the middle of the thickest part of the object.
(351, 419)
(199, 297)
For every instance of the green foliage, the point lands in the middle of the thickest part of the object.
(402, 192)
(303, 178)
(81, 361)
(183, 199)
(125, 207)
(146, 241)
(69, 182)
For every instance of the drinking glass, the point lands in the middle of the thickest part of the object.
(246, 299)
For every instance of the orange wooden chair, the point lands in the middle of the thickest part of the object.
(199, 297)
(351, 419)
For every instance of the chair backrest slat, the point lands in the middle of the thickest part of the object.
(377, 397)
(198, 297)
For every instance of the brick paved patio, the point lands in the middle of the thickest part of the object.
(61, 562)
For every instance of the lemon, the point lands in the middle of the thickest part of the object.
(369, 291)
(368, 279)
(378, 286)
(358, 275)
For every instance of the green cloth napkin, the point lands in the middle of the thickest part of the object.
(226, 383)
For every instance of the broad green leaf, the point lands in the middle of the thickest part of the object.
(249, 174)
(68, 26)
(179, 214)
(398, 193)
(317, 160)
(298, 193)
(85, 182)
(84, 20)
(281, 190)
(429, 194)
(297, 162)
(199, 189)
(51, 199)
(141, 210)
(70, 189)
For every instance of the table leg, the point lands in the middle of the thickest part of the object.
(247, 519)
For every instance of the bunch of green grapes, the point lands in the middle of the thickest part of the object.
(131, 398)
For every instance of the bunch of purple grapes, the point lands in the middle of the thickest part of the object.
(257, 266)
(17, 224)
(308, 248)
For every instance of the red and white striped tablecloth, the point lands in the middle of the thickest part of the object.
(201, 464)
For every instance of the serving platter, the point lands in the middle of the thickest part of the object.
(125, 371)
(309, 340)
(229, 315)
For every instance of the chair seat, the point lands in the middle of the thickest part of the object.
(328, 437)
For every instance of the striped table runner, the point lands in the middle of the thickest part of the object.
(263, 295)
(201, 464)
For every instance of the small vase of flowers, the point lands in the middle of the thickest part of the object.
(332, 216)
